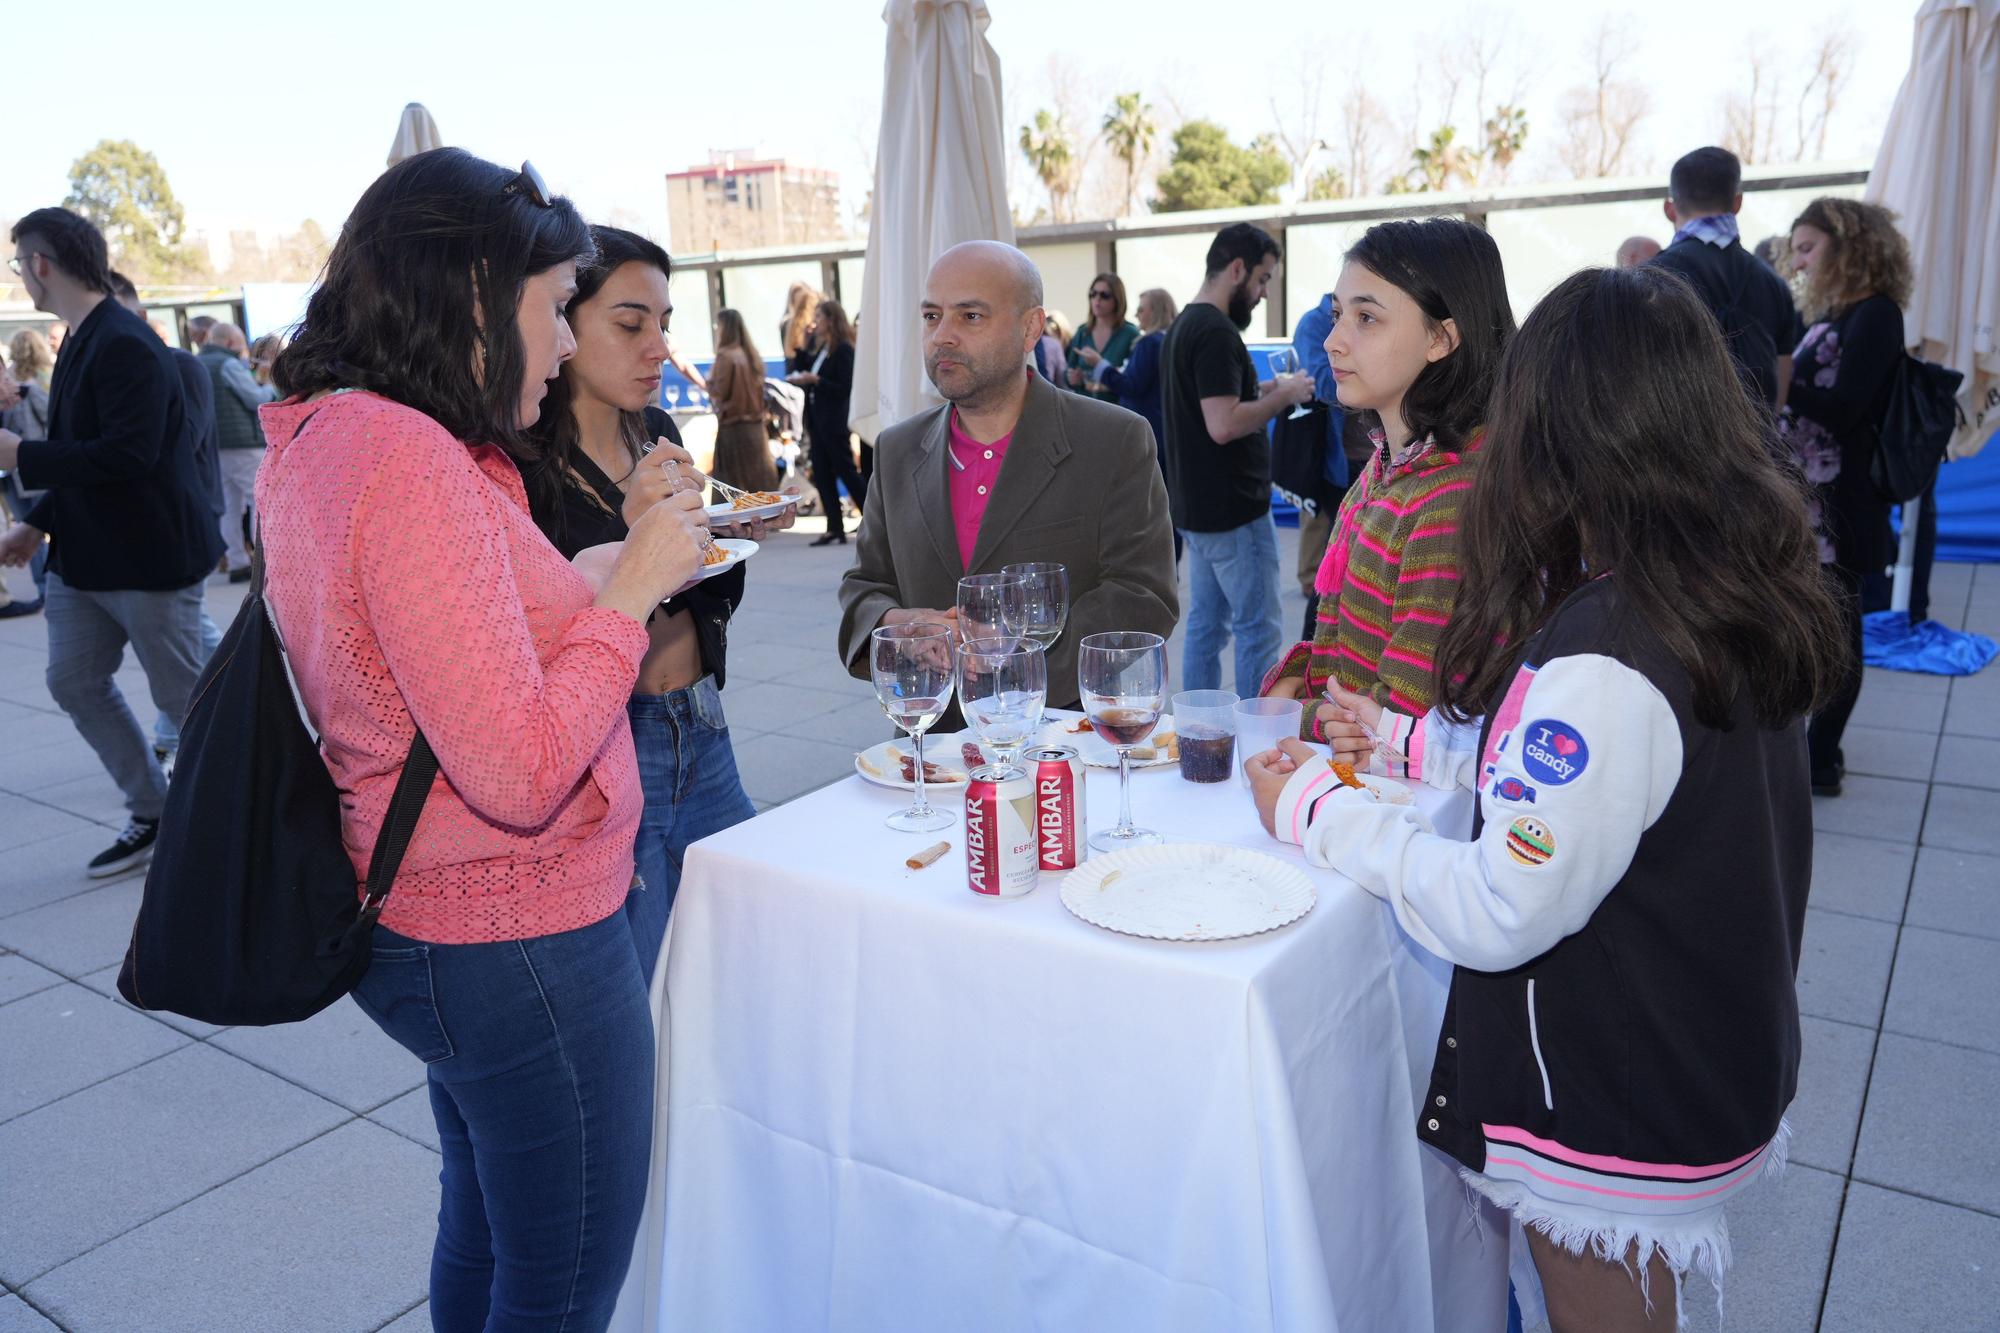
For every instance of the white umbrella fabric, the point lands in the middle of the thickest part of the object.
(416, 133)
(1937, 170)
(940, 178)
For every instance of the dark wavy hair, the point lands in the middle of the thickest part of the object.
(421, 290)
(1451, 269)
(1616, 445)
(553, 440)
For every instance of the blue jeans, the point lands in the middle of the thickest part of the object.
(688, 772)
(540, 1065)
(1232, 593)
(167, 730)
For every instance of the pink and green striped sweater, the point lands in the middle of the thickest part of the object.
(1387, 583)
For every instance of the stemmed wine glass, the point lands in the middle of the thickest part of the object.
(1122, 677)
(1285, 361)
(983, 605)
(912, 668)
(1039, 604)
(1002, 685)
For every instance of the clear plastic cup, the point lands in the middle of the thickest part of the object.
(1261, 724)
(1205, 721)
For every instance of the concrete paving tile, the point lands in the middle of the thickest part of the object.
(23, 821)
(1861, 876)
(1844, 967)
(779, 707)
(80, 935)
(105, 983)
(253, 1255)
(1968, 761)
(17, 1317)
(1970, 715)
(49, 765)
(1946, 988)
(68, 1037)
(1886, 752)
(777, 768)
(41, 731)
(1873, 808)
(94, 797)
(1915, 682)
(786, 663)
(416, 1321)
(43, 872)
(410, 1115)
(1781, 1233)
(1898, 710)
(854, 726)
(1899, 1255)
(1965, 819)
(104, 1160)
(339, 1053)
(19, 977)
(1833, 1079)
(1956, 891)
(1922, 1128)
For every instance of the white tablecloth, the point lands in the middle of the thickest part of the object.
(888, 1103)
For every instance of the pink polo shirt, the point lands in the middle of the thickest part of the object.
(975, 470)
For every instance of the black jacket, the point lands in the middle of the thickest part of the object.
(827, 401)
(1752, 304)
(198, 424)
(127, 508)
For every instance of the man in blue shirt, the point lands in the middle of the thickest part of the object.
(1309, 341)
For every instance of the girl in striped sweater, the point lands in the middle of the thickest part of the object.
(1420, 321)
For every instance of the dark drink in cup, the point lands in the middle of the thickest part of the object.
(1207, 753)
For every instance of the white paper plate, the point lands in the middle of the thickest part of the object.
(738, 550)
(725, 514)
(883, 764)
(1090, 748)
(1188, 891)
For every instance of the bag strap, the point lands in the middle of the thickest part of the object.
(413, 788)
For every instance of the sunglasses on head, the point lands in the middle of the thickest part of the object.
(531, 184)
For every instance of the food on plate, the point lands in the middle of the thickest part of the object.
(1080, 727)
(974, 757)
(756, 500)
(713, 554)
(1345, 772)
(932, 772)
(1166, 745)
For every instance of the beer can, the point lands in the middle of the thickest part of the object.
(1000, 832)
(1059, 824)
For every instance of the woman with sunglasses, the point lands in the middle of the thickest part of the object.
(415, 593)
(1107, 334)
(607, 454)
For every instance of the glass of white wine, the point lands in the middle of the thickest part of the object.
(1285, 361)
(1002, 686)
(912, 667)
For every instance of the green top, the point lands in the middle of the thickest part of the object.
(1115, 352)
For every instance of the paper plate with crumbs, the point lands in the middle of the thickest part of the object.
(1188, 891)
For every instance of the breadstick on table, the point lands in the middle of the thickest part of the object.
(928, 855)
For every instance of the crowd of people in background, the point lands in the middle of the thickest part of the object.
(1605, 570)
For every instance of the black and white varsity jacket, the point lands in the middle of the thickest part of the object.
(1622, 1028)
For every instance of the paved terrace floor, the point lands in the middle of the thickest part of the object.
(158, 1174)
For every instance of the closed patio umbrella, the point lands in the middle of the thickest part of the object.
(940, 178)
(1939, 170)
(416, 133)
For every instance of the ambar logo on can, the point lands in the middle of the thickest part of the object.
(1058, 777)
(999, 833)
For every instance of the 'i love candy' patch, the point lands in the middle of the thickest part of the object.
(1553, 752)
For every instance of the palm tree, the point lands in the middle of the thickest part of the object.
(1434, 166)
(1506, 135)
(1050, 151)
(1129, 129)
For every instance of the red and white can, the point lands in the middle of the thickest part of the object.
(1059, 823)
(1000, 832)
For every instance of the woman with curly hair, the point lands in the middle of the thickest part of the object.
(32, 359)
(1855, 275)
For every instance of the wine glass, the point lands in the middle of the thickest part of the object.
(983, 601)
(911, 665)
(1122, 677)
(1040, 603)
(1002, 685)
(1285, 361)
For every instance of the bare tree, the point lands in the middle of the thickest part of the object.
(1365, 131)
(1832, 68)
(1750, 115)
(1299, 119)
(1599, 117)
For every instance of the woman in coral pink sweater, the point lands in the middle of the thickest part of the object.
(413, 590)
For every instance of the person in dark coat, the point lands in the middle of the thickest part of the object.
(829, 386)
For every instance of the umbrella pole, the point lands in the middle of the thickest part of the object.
(1906, 557)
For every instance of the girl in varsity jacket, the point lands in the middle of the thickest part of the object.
(1641, 631)
(1420, 321)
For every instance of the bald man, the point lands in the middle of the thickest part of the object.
(1636, 250)
(1011, 469)
(239, 437)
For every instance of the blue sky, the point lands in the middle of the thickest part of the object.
(265, 115)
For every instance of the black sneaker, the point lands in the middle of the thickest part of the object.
(12, 609)
(133, 848)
